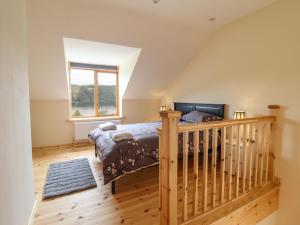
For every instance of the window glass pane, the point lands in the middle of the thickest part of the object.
(82, 92)
(107, 93)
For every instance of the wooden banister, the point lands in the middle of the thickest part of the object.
(247, 153)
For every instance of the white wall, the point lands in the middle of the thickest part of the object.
(16, 185)
(247, 65)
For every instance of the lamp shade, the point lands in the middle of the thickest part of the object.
(163, 108)
(239, 115)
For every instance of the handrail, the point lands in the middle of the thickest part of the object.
(224, 123)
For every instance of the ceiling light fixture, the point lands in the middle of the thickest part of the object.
(155, 1)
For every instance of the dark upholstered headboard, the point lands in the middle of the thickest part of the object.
(184, 108)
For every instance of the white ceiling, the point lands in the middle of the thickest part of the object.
(169, 33)
(191, 13)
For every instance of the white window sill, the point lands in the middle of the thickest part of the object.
(104, 118)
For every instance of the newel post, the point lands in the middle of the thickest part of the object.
(168, 155)
(274, 110)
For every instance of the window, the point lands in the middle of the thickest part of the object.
(94, 90)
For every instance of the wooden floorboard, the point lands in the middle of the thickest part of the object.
(135, 201)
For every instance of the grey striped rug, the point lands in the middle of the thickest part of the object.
(67, 177)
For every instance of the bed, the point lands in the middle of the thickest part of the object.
(127, 156)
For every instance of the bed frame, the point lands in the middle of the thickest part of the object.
(184, 108)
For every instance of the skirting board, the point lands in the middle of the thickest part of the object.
(75, 144)
(34, 208)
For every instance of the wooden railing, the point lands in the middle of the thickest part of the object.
(234, 158)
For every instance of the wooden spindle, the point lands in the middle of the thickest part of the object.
(250, 166)
(244, 158)
(230, 162)
(196, 162)
(257, 144)
(214, 166)
(261, 153)
(237, 161)
(267, 137)
(160, 174)
(205, 162)
(222, 166)
(185, 174)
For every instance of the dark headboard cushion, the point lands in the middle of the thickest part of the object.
(184, 108)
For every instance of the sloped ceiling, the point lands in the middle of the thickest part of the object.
(169, 33)
(189, 13)
(94, 52)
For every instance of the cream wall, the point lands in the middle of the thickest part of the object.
(50, 21)
(50, 126)
(247, 65)
(16, 185)
(141, 110)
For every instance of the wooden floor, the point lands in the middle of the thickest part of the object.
(135, 201)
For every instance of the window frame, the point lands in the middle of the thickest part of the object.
(96, 88)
